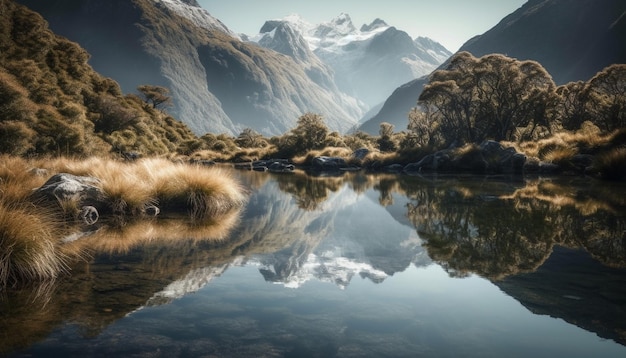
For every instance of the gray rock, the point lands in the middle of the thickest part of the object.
(63, 187)
(325, 164)
(360, 153)
(89, 215)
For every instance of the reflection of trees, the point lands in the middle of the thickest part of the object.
(498, 233)
(309, 191)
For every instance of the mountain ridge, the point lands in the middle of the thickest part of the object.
(218, 83)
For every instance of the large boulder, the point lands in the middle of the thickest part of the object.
(71, 191)
(62, 188)
(328, 164)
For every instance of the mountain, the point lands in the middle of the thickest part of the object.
(218, 83)
(573, 40)
(53, 102)
(368, 63)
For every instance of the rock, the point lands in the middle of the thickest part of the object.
(473, 161)
(131, 156)
(271, 165)
(582, 162)
(63, 187)
(412, 168)
(394, 168)
(151, 210)
(89, 215)
(489, 157)
(360, 153)
(326, 164)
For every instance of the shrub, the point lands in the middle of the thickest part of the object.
(16, 138)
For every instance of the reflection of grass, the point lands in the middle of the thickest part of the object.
(31, 237)
(557, 196)
(115, 238)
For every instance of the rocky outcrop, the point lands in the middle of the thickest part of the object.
(489, 157)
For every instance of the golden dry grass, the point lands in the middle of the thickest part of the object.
(28, 246)
(32, 245)
(340, 152)
(121, 239)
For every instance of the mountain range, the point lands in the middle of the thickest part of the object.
(572, 40)
(368, 63)
(219, 81)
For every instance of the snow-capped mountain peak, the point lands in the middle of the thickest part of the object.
(337, 27)
(377, 23)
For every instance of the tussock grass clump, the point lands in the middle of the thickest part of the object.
(203, 192)
(378, 159)
(28, 249)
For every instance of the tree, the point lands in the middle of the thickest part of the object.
(385, 141)
(249, 138)
(310, 132)
(572, 106)
(491, 97)
(607, 98)
(422, 126)
(155, 96)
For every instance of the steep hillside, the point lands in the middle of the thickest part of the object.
(573, 40)
(218, 83)
(53, 103)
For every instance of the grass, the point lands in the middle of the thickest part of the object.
(28, 246)
(32, 232)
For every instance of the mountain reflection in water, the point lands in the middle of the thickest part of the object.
(557, 246)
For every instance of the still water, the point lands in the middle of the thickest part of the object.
(349, 266)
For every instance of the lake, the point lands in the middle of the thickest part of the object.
(348, 266)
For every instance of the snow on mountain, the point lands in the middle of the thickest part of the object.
(332, 269)
(200, 17)
(368, 63)
(192, 282)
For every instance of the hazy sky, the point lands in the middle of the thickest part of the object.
(449, 22)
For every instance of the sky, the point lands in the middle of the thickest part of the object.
(449, 22)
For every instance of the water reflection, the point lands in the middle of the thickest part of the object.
(556, 246)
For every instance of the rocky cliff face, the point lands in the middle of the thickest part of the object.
(218, 83)
(572, 40)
